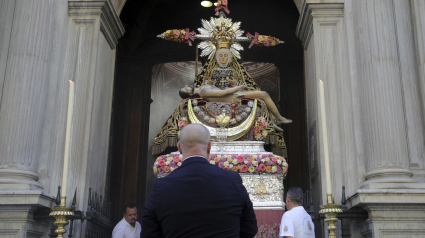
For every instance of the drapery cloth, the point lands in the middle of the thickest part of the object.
(268, 222)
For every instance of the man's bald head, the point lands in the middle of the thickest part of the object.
(194, 140)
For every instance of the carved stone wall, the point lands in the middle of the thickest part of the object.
(367, 53)
(44, 44)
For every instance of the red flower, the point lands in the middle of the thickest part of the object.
(244, 168)
(240, 159)
(262, 167)
(176, 159)
(226, 168)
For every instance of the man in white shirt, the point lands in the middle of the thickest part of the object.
(128, 227)
(296, 222)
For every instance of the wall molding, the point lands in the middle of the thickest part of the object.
(314, 10)
(110, 23)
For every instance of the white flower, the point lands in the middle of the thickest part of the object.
(219, 156)
(235, 161)
(254, 156)
(169, 158)
(211, 162)
(156, 163)
(168, 162)
(171, 168)
(246, 162)
(230, 165)
(181, 156)
(179, 164)
(279, 162)
(226, 164)
(261, 156)
(255, 163)
(284, 164)
(263, 160)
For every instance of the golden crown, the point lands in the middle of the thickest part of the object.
(222, 37)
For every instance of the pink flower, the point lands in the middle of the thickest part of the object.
(224, 2)
(244, 168)
(177, 32)
(227, 168)
(266, 43)
(161, 163)
(274, 160)
(240, 159)
(262, 167)
(182, 123)
(176, 159)
(264, 123)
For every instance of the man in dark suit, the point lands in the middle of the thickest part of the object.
(198, 199)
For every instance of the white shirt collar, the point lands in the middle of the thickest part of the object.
(128, 224)
(298, 208)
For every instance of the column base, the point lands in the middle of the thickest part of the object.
(390, 176)
(16, 179)
(392, 212)
(16, 213)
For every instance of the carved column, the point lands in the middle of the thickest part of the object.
(23, 98)
(381, 93)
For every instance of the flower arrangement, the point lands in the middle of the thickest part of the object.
(183, 122)
(221, 4)
(248, 163)
(166, 164)
(259, 133)
(263, 40)
(185, 36)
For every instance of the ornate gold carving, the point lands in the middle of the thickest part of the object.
(234, 133)
(261, 189)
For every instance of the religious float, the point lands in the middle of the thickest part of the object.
(241, 118)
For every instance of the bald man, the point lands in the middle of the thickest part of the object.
(198, 199)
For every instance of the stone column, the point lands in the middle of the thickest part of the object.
(26, 32)
(381, 94)
(23, 99)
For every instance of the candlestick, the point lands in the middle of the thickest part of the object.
(325, 137)
(67, 138)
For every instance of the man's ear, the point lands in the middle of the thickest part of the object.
(179, 147)
(209, 147)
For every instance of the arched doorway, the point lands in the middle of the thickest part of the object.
(139, 50)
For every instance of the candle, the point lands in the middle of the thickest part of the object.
(325, 136)
(67, 137)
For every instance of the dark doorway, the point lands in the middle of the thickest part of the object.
(139, 50)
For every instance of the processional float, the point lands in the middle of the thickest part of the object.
(240, 125)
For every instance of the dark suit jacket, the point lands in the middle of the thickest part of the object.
(199, 200)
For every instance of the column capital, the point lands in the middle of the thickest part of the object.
(316, 9)
(110, 23)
